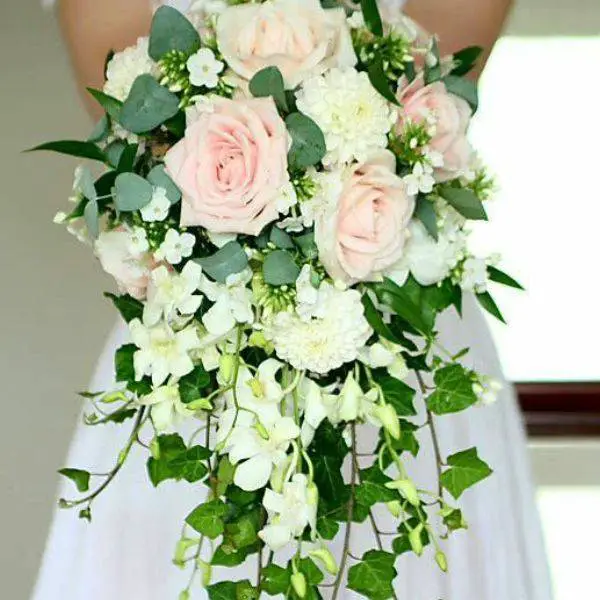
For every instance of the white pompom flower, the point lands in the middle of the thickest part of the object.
(353, 116)
(125, 67)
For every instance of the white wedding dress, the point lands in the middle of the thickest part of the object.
(125, 554)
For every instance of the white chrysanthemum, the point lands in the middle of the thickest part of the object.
(354, 117)
(326, 338)
(125, 67)
(328, 189)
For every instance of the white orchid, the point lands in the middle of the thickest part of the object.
(167, 410)
(385, 354)
(232, 303)
(176, 247)
(255, 447)
(318, 404)
(171, 294)
(162, 351)
(289, 512)
(354, 404)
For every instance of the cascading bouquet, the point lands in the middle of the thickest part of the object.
(284, 202)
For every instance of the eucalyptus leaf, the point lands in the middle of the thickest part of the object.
(280, 268)
(269, 82)
(158, 177)
(466, 470)
(280, 238)
(463, 88)
(172, 31)
(229, 260)
(86, 183)
(92, 218)
(465, 202)
(100, 131)
(114, 151)
(80, 478)
(308, 141)
(132, 192)
(148, 105)
(307, 245)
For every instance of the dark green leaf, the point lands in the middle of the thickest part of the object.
(372, 17)
(327, 528)
(466, 469)
(380, 82)
(148, 105)
(191, 464)
(125, 371)
(158, 177)
(172, 31)
(465, 60)
(463, 88)
(112, 106)
(398, 394)
(225, 475)
(191, 386)
(308, 141)
(222, 591)
(489, 304)
(402, 544)
(269, 82)
(425, 212)
(501, 277)
(73, 148)
(127, 158)
(80, 478)
(374, 576)
(132, 192)
(280, 268)
(465, 202)
(454, 391)
(227, 556)
(328, 477)
(372, 488)
(433, 73)
(207, 519)
(230, 259)
(454, 520)
(159, 468)
(128, 307)
(314, 575)
(276, 580)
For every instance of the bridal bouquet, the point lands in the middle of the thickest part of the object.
(284, 197)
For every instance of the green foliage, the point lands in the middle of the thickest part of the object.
(380, 81)
(232, 590)
(464, 201)
(398, 394)
(372, 488)
(373, 577)
(463, 88)
(372, 17)
(465, 60)
(127, 159)
(91, 214)
(269, 82)
(159, 178)
(172, 31)
(454, 390)
(169, 448)
(192, 385)
(132, 192)
(453, 519)
(80, 478)
(327, 453)
(148, 106)
(489, 304)
(190, 464)
(308, 141)
(466, 469)
(207, 519)
(276, 580)
(73, 148)
(280, 268)
(229, 260)
(327, 528)
(307, 245)
(125, 371)
(425, 212)
(281, 239)
(433, 73)
(402, 544)
(501, 277)
(112, 107)
(129, 308)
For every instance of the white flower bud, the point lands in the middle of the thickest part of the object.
(299, 584)
(389, 419)
(407, 489)
(414, 537)
(395, 508)
(442, 561)
(226, 367)
(325, 556)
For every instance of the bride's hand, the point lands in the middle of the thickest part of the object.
(92, 28)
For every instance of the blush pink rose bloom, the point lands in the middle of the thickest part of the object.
(297, 36)
(449, 116)
(131, 270)
(231, 166)
(365, 232)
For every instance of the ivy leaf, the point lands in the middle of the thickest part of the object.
(172, 31)
(132, 192)
(489, 304)
(73, 148)
(190, 465)
(425, 212)
(376, 321)
(191, 385)
(227, 556)
(398, 394)
(276, 580)
(454, 391)
(230, 259)
(373, 577)
(225, 475)
(207, 519)
(328, 477)
(280, 268)
(232, 590)
(112, 106)
(327, 528)
(465, 60)
(314, 575)
(465, 202)
(148, 105)
(169, 448)
(121, 415)
(372, 488)
(501, 277)
(402, 544)
(380, 82)
(125, 371)
(463, 88)
(80, 478)
(129, 308)
(454, 520)
(159, 178)
(466, 469)
(372, 17)
(269, 82)
(308, 141)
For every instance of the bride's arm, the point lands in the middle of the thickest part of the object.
(462, 23)
(92, 28)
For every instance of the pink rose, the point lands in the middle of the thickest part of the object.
(365, 231)
(119, 256)
(447, 115)
(231, 166)
(298, 36)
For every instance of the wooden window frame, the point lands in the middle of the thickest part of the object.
(570, 409)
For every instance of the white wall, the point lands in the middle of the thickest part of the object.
(53, 317)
